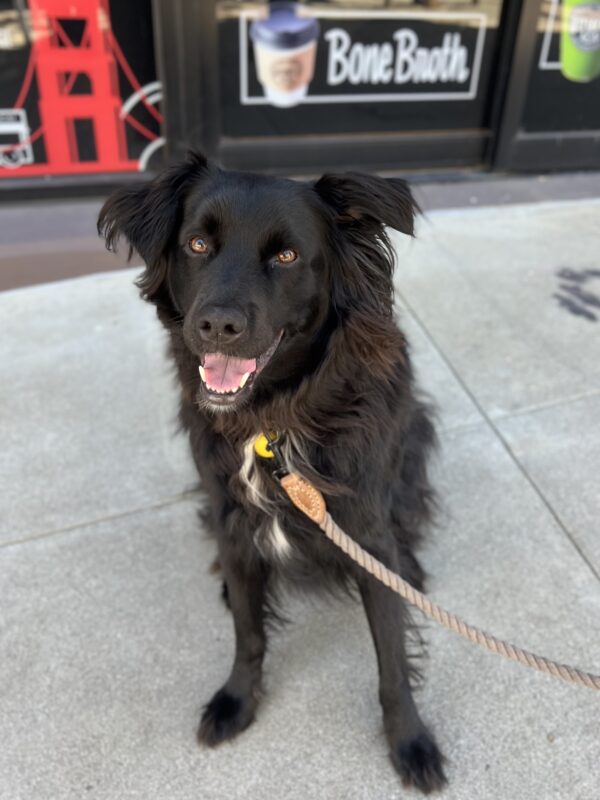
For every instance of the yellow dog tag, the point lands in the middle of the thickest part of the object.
(261, 447)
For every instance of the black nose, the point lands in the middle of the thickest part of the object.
(221, 325)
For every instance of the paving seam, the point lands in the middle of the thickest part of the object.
(170, 501)
(503, 442)
(565, 401)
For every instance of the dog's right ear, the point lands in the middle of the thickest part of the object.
(148, 217)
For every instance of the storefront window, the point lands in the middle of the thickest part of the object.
(564, 86)
(344, 67)
(78, 87)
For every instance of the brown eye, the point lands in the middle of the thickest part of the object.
(287, 256)
(197, 245)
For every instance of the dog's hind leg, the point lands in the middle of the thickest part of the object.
(232, 708)
(414, 752)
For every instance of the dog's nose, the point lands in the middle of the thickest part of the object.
(218, 324)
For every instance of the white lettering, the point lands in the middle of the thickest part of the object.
(430, 65)
(458, 57)
(385, 72)
(406, 44)
(359, 63)
(337, 65)
(355, 64)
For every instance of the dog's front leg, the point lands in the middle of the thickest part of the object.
(232, 708)
(413, 750)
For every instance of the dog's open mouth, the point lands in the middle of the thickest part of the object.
(225, 378)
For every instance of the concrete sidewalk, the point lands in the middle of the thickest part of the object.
(112, 634)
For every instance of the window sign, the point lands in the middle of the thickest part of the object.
(290, 68)
(367, 56)
(564, 85)
(576, 48)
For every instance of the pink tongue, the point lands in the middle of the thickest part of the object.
(225, 372)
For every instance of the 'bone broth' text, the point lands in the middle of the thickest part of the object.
(399, 63)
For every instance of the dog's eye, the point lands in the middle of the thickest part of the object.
(197, 244)
(287, 256)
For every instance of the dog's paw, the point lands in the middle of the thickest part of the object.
(420, 763)
(224, 717)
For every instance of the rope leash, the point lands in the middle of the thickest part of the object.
(309, 500)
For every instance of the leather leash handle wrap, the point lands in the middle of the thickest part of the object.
(311, 502)
(305, 497)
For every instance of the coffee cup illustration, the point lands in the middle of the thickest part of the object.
(285, 49)
(580, 40)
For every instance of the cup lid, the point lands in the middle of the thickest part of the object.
(283, 29)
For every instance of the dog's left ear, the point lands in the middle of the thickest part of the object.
(361, 206)
(369, 201)
(362, 260)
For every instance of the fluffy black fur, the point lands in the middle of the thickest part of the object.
(339, 387)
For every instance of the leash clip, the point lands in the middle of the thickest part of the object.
(267, 446)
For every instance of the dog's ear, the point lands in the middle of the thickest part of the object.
(368, 202)
(360, 207)
(148, 217)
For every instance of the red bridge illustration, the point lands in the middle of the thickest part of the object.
(57, 63)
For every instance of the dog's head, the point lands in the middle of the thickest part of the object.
(255, 270)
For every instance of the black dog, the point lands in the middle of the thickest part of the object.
(277, 296)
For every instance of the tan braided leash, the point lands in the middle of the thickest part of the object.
(312, 503)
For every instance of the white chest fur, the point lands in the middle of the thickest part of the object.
(270, 538)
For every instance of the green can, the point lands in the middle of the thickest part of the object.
(580, 40)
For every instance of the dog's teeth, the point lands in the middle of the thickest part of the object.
(244, 380)
(201, 371)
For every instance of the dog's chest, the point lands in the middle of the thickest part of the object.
(270, 537)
